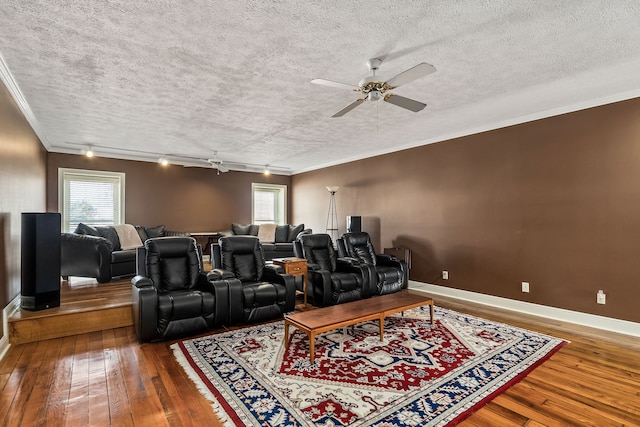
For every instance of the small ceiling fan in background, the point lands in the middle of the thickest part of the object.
(219, 164)
(373, 89)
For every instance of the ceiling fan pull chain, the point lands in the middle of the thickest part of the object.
(377, 119)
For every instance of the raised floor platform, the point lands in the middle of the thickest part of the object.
(85, 307)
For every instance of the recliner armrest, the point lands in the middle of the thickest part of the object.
(220, 291)
(274, 276)
(275, 268)
(350, 260)
(219, 274)
(141, 282)
(313, 266)
(387, 260)
(233, 296)
(366, 271)
(144, 302)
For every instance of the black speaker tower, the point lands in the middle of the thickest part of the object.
(354, 224)
(40, 261)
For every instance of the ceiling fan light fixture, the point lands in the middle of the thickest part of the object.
(374, 95)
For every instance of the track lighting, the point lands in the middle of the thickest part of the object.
(266, 170)
(89, 152)
(163, 161)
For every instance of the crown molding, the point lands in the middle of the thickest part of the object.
(14, 90)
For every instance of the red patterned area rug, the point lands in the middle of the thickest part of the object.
(420, 375)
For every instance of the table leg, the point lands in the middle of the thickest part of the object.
(305, 284)
(431, 311)
(381, 321)
(286, 334)
(312, 346)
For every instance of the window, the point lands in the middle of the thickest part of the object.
(91, 197)
(268, 203)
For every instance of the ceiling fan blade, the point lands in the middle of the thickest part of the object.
(348, 108)
(334, 84)
(403, 102)
(411, 74)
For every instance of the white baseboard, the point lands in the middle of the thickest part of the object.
(6, 312)
(584, 319)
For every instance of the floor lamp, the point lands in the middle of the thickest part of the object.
(332, 215)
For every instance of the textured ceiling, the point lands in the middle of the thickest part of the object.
(140, 79)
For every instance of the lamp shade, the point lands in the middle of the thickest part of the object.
(332, 189)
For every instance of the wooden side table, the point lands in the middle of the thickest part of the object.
(211, 236)
(403, 254)
(295, 267)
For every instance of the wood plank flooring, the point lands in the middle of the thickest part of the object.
(106, 378)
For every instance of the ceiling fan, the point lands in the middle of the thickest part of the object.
(219, 164)
(374, 89)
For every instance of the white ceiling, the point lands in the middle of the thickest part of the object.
(140, 79)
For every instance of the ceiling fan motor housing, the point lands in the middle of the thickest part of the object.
(373, 64)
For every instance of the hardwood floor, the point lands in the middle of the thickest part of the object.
(106, 378)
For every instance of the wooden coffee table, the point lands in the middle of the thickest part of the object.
(325, 319)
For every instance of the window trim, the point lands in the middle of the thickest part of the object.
(63, 172)
(281, 208)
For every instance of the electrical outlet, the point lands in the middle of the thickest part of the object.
(445, 274)
(601, 297)
(525, 286)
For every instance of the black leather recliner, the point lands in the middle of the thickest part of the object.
(257, 291)
(391, 273)
(171, 294)
(333, 280)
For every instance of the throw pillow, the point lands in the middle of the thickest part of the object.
(86, 230)
(294, 231)
(153, 232)
(142, 232)
(244, 230)
(282, 233)
(110, 234)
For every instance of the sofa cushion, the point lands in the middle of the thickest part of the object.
(283, 247)
(142, 232)
(153, 232)
(266, 247)
(294, 231)
(110, 234)
(282, 233)
(244, 230)
(123, 256)
(86, 230)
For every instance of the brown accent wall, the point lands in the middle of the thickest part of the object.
(22, 189)
(183, 199)
(555, 202)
